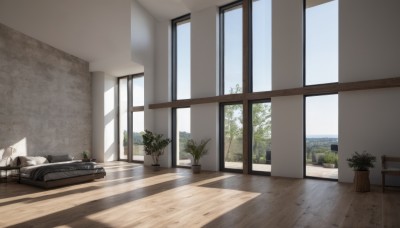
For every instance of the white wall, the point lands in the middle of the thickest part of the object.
(104, 117)
(162, 82)
(369, 120)
(287, 136)
(204, 82)
(143, 35)
(287, 66)
(369, 49)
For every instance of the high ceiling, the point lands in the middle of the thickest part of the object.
(97, 31)
(169, 9)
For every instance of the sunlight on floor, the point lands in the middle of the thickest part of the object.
(173, 204)
(62, 197)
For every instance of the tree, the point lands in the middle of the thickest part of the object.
(261, 122)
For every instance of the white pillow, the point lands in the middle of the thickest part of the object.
(30, 161)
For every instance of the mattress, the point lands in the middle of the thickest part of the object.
(25, 172)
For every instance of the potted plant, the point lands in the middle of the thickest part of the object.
(361, 164)
(329, 160)
(154, 145)
(85, 156)
(197, 150)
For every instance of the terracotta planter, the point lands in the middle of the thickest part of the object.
(196, 169)
(361, 181)
(156, 167)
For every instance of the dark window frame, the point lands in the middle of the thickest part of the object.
(310, 95)
(129, 116)
(305, 138)
(251, 171)
(305, 50)
(222, 138)
(174, 63)
(173, 138)
(222, 9)
(174, 78)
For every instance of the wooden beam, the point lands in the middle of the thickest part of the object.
(370, 84)
(194, 101)
(308, 90)
(137, 109)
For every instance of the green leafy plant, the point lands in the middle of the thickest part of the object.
(361, 162)
(85, 154)
(197, 150)
(330, 158)
(154, 145)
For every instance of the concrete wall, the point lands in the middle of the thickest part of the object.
(45, 98)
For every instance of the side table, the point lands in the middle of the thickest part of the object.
(9, 168)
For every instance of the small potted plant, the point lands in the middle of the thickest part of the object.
(197, 150)
(154, 145)
(85, 156)
(361, 164)
(329, 160)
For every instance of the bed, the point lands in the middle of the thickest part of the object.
(57, 174)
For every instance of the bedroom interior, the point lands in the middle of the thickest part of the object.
(92, 75)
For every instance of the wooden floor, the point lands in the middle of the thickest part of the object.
(134, 196)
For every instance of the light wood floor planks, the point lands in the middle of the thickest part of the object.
(134, 196)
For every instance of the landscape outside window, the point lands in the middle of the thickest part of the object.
(182, 136)
(261, 137)
(233, 136)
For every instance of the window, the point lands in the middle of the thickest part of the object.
(232, 49)
(131, 117)
(181, 58)
(245, 125)
(321, 111)
(322, 42)
(232, 136)
(181, 136)
(321, 136)
(261, 136)
(137, 118)
(123, 118)
(180, 89)
(261, 45)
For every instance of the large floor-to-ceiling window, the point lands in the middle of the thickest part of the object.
(181, 89)
(321, 111)
(131, 117)
(245, 68)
